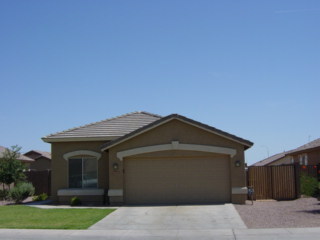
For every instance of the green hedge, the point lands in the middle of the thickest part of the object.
(309, 186)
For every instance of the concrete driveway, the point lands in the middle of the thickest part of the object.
(195, 217)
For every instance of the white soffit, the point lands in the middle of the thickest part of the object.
(82, 152)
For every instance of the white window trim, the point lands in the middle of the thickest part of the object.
(305, 159)
(80, 192)
(68, 155)
(175, 145)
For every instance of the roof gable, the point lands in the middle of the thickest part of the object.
(105, 130)
(171, 117)
(39, 154)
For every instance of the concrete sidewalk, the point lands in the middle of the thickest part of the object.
(221, 234)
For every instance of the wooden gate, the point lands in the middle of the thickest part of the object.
(41, 180)
(274, 182)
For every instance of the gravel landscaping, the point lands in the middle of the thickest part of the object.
(303, 212)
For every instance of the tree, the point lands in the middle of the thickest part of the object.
(11, 169)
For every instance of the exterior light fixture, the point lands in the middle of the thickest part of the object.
(237, 163)
(115, 166)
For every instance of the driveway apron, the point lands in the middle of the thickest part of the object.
(194, 217)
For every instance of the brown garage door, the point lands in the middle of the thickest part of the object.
(177, 180)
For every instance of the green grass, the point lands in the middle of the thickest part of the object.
(25, 217)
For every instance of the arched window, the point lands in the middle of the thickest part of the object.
(83, 169)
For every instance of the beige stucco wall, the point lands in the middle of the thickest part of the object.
(59, 166)
(176, 130)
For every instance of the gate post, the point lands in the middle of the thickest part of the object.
(297, 179)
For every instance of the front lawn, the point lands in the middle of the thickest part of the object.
(35, 218)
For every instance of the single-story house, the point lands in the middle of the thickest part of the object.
(27, 161)
(143, 158)
(307, 154)
(274, 160)
(42, 160)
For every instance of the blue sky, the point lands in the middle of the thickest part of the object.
(250, 68)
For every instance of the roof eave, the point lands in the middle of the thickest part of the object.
(302, 150)
(78, 139)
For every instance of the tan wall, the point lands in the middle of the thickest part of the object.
(184, 133)
(59, 166)
(85, 200)
(239, 198)
(41, 164)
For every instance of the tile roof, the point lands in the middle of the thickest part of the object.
(112, 127)
(160, 121)
(309, 145)
(269, 160)
(41, 154)
(22, 157)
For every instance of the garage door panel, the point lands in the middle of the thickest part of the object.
(177, 180)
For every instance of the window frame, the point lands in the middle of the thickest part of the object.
(82, 168)
(303, 159)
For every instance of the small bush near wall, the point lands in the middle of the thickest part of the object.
(309, 186)
(21, 192)
(41, 197)
(75, 201)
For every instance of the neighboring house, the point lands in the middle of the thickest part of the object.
(42, 160)
(277, 159)
(23, 158)
(308, 154)
(143, 158)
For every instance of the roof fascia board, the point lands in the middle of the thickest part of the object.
(78, 139)
(302, 151)
(209, 130)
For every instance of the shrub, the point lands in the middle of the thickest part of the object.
(309, 186)
(75, 201)
(21, 192)
(4, 194)
(41, 197)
